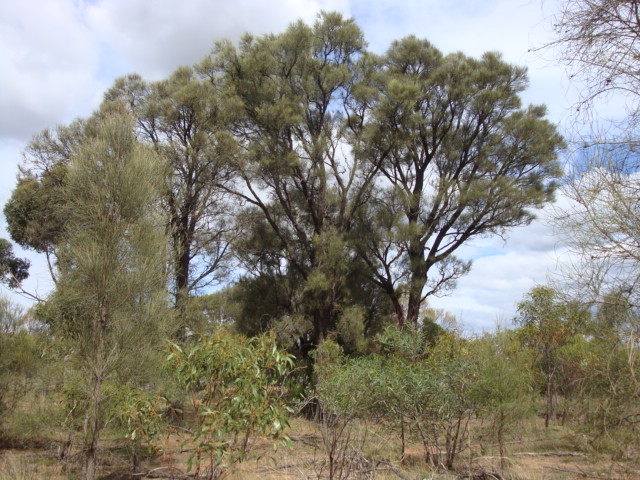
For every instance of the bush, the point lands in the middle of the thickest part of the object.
(236, 387)
(409, 385)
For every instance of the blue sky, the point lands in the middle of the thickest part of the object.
(59, 56)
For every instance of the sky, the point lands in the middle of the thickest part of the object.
(57, 58)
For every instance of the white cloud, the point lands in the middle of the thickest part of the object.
(504, 270)
(48, 62)
(494, 286)
(157, 37)
(59, 56)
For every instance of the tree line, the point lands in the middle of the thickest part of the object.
(321, 192)
(341, 178)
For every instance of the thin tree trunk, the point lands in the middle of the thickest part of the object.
(92, 428)
(549, 402)
(402, 439)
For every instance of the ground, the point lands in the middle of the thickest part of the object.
(534, 453)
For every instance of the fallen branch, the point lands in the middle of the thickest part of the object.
(157, 473)
(551, 454)
(393, 469)
(290, 465)
(302, 439)
(481, 474)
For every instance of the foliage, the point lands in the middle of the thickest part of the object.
(237, 392)
(301, 98)
(204, 313)
(110, 305)
(598, 41)
(354, 178)
(503, 389)
(460, 159)
(13, 270)
(185, 122)
(547, 323)
(20, 360)
(431, 394)
(606, 384)
(35, 211)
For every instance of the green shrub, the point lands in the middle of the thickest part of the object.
(237, 391)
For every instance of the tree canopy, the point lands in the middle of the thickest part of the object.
(344, 179)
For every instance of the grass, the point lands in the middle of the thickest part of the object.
(373, 449)
(19, 467)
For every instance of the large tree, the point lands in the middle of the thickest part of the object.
(599, 42)
(460, 159)
(390, 164)
(185, 121)
(110, 297)
(299, 98)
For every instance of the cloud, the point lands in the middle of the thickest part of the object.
(504, 270)
(60, 56)
(494, 286)
(48, 62)
(158, 36)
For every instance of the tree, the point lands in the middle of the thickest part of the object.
(547, 324)
(598, 41)
(13, 270)
(609, 378)
(503, 388)
(428, 389)
(298, 98)
(461, 159)
(600, 225)
(236, 386)
(20, 361)
(110, 300)
(185, 121)
(35, 214)
(385, 165)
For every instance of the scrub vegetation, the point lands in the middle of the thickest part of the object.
(243, 255)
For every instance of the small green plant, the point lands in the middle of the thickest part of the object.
(416, 388)
(236, 387)
(503, 390)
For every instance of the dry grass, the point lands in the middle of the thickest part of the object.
(374, 454)
(27, 466)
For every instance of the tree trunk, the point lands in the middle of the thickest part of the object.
(549, 390)
(549, 401)
(92, 430)
(402, 441)
(89, 469)
(418, 267)
(398, 312)
(418, 280)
